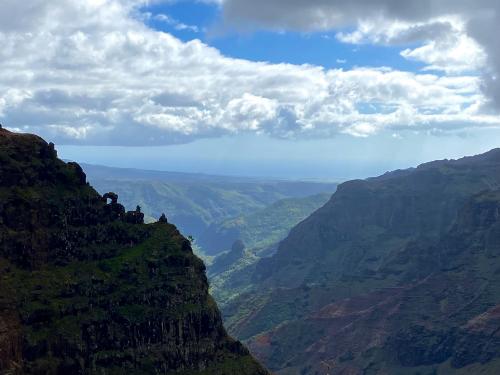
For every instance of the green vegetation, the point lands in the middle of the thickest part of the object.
(259, 233)
(260, 229)
(86, 287)
(216, 211)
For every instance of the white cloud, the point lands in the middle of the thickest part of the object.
(93, 72)
(444, 43)
(451, 30)
(176, 24)
(250, 112)
(453, 54)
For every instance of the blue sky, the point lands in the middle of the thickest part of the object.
(316, 48)
(303, 89)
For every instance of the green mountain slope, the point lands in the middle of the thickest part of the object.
(394, 275)
(264, 227)
(253, 237)
(87, 288)
(196, 201)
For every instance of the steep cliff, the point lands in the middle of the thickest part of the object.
(87, 288)
(398, 274)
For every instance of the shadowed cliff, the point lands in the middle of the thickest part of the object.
(398, 274)
(87, 288)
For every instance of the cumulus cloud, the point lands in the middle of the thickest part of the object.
(94, 73)
(458, 35)
(176, 24)
(445, 45)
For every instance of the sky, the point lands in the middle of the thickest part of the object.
(321, 89)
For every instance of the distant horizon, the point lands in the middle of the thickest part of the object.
(185, 159)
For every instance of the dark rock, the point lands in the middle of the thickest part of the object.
(111, 196)
(163, 219)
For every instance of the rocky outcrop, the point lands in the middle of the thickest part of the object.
(87, 288)
(225, 261)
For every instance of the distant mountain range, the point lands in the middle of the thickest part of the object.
(218, 211)
(398, 274)
(201, 205)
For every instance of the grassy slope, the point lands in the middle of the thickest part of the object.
(59, 301)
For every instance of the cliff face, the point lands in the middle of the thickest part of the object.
(443, 322)
(366, 222)
(396, 274)
(86, 287)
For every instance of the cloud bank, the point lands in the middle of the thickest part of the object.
(93, 73)
(459, 35)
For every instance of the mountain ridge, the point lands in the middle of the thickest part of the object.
(86, 287)
(373, 239)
